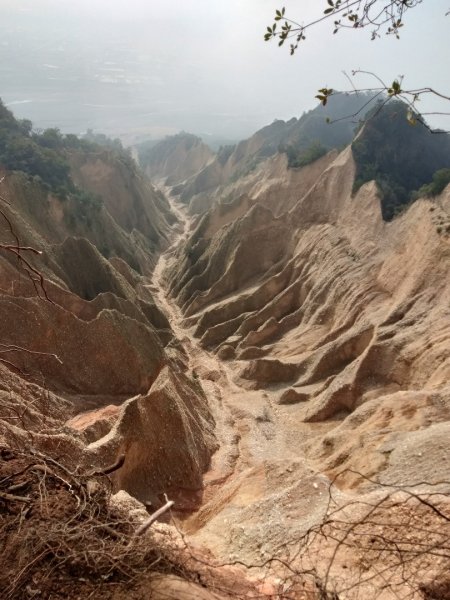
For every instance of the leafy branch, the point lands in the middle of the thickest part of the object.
(387, 92)
(379, 15)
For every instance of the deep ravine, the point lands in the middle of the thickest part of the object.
(213, 375)
(257, 438)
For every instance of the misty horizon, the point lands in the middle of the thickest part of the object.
(153, 70)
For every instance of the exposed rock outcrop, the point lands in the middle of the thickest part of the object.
(95, 336)
(131, 202)
(167, 436)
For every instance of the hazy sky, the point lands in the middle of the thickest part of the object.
(198, 65)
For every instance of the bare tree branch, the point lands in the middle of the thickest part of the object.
(18, 251)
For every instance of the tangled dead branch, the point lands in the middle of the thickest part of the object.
(57, 530)
(395, 538)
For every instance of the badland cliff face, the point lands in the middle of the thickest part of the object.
(241, 342)
(325, 315)
(91, 336)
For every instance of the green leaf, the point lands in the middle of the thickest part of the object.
(328, 11)
(323, 99)
(395, 88)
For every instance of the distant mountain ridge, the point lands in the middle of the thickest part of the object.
(399, 156)
(294, 137)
